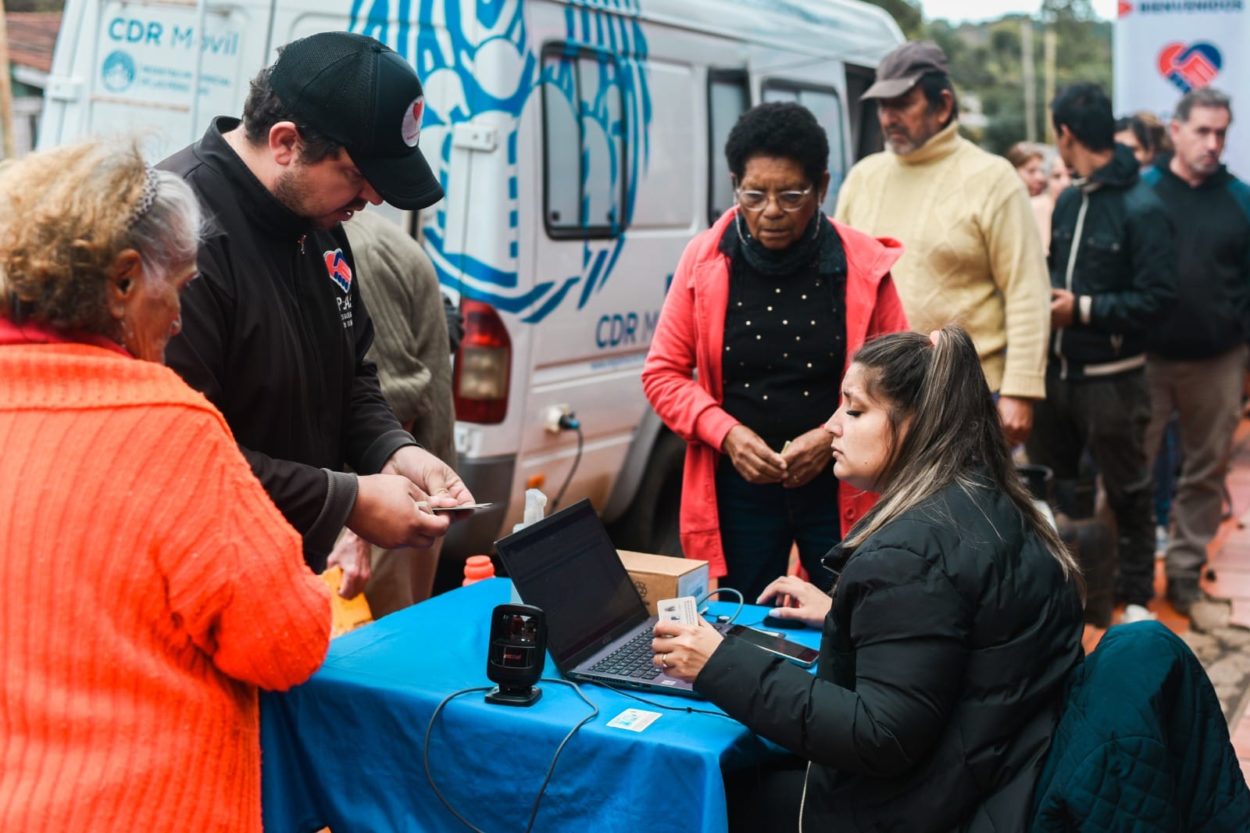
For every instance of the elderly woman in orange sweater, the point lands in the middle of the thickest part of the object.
(152, 587)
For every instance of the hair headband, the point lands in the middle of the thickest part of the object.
(146, 199)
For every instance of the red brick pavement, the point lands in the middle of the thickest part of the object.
(1229, 555)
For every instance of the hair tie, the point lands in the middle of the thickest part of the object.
(934, 336)
(146, 199)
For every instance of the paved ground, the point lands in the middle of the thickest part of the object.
(1220, 631)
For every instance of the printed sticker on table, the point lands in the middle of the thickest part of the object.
(633, 720)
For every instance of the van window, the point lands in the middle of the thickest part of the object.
(666, 198)
(727, 99)
(865, 127)
(827, 108)
(583, 142)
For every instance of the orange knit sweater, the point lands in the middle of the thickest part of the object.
(150, 586)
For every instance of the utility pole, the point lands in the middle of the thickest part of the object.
(6, 87)
(1049, 43)
(1028, 76)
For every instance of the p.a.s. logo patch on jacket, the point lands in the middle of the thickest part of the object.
(340, 270)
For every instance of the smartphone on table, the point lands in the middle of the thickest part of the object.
(778, 645)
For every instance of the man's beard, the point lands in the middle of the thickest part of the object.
(1206, 165)
(291, 191)
(902, 144)
(906, 143)
(294, 193)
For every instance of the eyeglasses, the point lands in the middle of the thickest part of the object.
(758, 200)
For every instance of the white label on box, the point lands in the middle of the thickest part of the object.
(634, 720)
(693, 583)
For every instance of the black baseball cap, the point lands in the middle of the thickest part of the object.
(905, 66)
(364, 96)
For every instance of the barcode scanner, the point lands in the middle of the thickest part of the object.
(516, 654)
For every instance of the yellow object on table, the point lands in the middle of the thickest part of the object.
(348, 614)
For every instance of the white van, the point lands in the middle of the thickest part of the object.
(580, 146)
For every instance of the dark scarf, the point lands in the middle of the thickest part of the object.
(819, 243)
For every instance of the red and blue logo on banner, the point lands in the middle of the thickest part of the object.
(1190, 65)
(340, 271)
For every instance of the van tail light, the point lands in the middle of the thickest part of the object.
(483, 365)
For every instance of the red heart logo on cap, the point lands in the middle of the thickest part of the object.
(411, 128)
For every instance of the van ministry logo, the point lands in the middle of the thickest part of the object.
(118, 71)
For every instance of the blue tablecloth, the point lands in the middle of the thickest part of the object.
(344, 749)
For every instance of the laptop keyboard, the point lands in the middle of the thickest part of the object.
(633, 659)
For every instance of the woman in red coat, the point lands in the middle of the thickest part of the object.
(765, 310)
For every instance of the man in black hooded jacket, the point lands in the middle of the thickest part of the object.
(1112, 262)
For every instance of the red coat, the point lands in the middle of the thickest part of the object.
(690, 336)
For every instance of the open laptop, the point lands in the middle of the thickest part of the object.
(598, 628)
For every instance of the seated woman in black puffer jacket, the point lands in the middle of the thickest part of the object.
(954, 619)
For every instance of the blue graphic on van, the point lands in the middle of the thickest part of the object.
(118, 71)
(597, 85)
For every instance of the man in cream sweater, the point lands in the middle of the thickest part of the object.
(972, 254)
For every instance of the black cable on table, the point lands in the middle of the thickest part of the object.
(686, 709)
(425, 752)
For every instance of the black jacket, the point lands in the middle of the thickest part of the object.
(942, 665)
(1211, 314)
(1122, 268)
(274, 333)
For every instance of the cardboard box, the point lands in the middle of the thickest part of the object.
(664, 577)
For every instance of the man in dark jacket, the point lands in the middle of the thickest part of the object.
(1111, 273)
(274, 332)
(1198, 352)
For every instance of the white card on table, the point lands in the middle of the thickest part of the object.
(634, 720)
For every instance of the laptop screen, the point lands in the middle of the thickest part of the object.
(567, 565)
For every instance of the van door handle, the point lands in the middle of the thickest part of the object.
(475, 138)
(64, 88)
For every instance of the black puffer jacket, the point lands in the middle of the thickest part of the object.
(942, 664)
(1112, 246)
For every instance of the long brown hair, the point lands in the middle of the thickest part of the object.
(945, 429)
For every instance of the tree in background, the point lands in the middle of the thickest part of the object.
(907, 14)
(34, 5)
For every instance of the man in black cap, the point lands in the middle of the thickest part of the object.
(972, 253)
(274, 331)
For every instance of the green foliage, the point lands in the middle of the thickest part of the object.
(986, 61)
(34, 5)
(907, 14)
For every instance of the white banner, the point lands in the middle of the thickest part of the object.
(1164, 48)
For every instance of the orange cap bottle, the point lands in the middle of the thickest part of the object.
(476, 568)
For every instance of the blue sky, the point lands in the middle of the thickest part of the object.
(985, 9)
